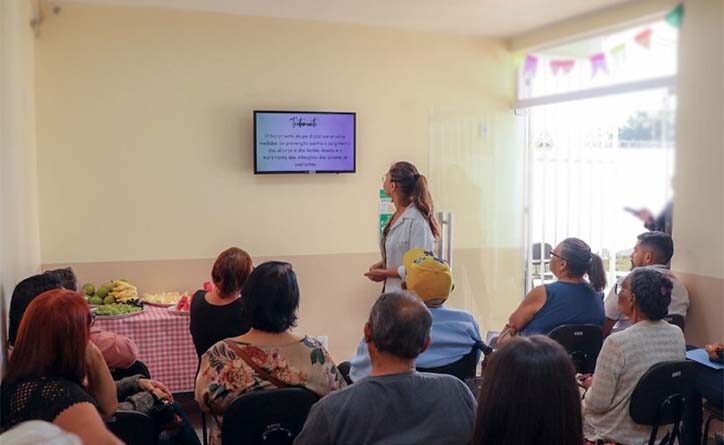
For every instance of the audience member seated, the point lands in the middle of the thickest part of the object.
(569, 300)
(134, 392)
(708, 383)
(529, 395)
(453, 332)
(395, 404)
(119, 351)
(653, 250)
(216, 315)
(269, 355)
(47, 368)
(38, 432)
(644, 297)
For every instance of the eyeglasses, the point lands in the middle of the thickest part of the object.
(558, 256)
(618, 288)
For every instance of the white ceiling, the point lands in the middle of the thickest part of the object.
(494, 18)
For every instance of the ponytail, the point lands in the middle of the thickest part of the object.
(423, 201)
(596, 273)
(414, 189)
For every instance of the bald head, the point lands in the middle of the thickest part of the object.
(399, 324)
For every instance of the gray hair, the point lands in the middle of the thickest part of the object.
(400, 324)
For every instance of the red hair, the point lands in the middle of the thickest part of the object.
(52, 338)
(231, 269)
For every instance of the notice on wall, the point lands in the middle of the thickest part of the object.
(304, 142)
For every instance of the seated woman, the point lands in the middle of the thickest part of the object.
(571, 299)
(626, 355)
(269, 355)
(135, 391)
(47, 368)
(216, 315)
(529, 395)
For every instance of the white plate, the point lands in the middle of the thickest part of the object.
(158, 304)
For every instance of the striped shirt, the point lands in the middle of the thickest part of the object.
(624, 358)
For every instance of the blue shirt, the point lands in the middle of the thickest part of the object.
(453, 334)
(567, 303)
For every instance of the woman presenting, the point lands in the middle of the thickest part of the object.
(412, 226)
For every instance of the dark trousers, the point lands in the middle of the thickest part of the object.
(708, 384)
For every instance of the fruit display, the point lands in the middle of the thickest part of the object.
(116, 309)
(115, 291)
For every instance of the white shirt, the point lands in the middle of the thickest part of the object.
(38, 432)
(411, 230)
(679, 299)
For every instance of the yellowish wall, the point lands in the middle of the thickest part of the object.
(145, 121)
(19, 239)
(145, 157)
(699, 185)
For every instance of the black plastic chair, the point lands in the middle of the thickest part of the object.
(659, 398)
(267, 417)
(677, 320)
(133, 428)
(344, 369)
(138, 367)
(583, 343)
(464, 368)
(540, 257)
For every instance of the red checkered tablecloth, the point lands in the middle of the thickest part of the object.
(164, 344)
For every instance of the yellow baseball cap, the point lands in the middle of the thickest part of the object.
(429, 277)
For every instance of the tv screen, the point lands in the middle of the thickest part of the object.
(304, 142)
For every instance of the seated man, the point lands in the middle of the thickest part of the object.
(454, 331)
(395, 404)
(653, 250)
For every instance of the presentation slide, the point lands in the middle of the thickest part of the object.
(304, 142)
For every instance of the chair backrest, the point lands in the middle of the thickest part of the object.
(464, 368)
(659, 396)
(677, 320)
(583, 343)
(344, 368)
(536, 251)
(269, 417)
(133, 428)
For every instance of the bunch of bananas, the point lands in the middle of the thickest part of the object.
(123, 292)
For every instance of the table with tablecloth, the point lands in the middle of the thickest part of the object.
(164, 344)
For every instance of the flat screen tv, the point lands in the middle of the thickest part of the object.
(304, 142)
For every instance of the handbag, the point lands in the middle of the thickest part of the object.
(261, 372)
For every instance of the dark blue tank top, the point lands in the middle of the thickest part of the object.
(567, 303)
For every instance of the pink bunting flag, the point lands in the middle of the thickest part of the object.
(644, 38)
(562, 65)
(598, 63)
(530, 66)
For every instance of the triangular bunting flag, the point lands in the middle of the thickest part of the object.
(644, 38)
(676, 16)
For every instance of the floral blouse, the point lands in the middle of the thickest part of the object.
(224, 375)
